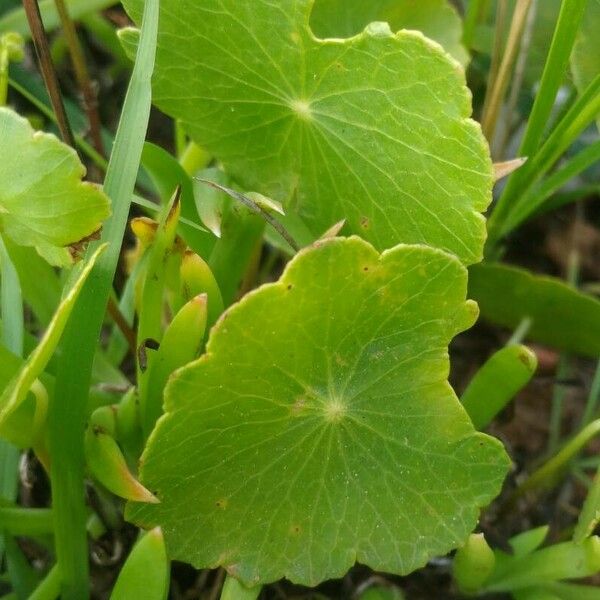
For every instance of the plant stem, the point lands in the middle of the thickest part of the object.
(548, 472)
(26, 521)
(4, 61)
(68, 412)
(591, 406)
(563, 369)
(498, 86)
(90, 100)
(520, 332)
(42, 49)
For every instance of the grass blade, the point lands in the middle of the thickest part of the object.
(68, 414)
(11, 308)
(534, 202)
(569, 18)
(557, 61)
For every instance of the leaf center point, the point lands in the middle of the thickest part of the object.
(302, 109)
(335, 410)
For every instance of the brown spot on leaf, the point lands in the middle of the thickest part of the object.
(77, 249)
(298, 405)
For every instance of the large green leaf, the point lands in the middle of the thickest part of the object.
(374, 129)
(319, 429)
(437, 19)
(560, 315)
(585, 59)
(43, 202)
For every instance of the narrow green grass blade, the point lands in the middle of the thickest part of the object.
(534, 202)
(68, 414)
(569, 18)
(16, 20)
(12, 303)
(11, 309)
(555, 68)
(576, 119)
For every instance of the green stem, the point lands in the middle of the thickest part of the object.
(520, 332)
(563, 370)
(68, 412)
(591, 406)
(26, 521)
(549, 471)
(3, 74)
(49, 589)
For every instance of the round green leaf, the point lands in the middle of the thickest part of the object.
(43, 202)
(374, 129)
(319, 428)
(437, 19)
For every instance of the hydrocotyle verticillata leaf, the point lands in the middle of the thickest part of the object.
(437, 19)
(319, 428)
(43, 202)
(374, 129)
